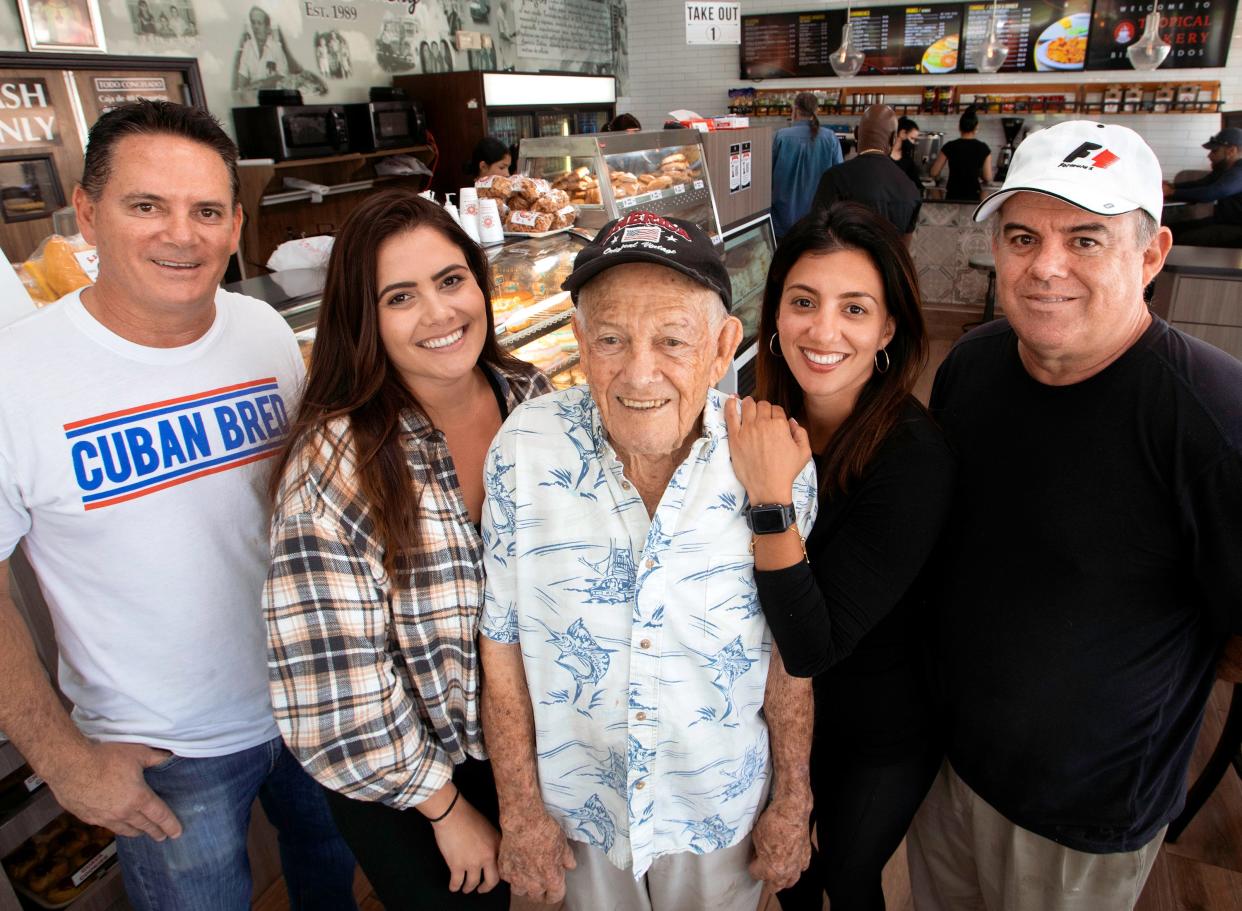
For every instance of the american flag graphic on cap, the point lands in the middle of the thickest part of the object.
(648, 233)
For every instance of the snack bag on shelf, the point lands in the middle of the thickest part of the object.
(57, 266)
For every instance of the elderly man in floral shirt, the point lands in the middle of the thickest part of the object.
(650, 750)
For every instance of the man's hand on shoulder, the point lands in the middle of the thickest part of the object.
(103, 785)
(534, 855)
(782, 842)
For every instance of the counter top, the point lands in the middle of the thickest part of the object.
(1222, 261)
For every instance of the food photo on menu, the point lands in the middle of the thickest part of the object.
(908, 39)
(1042, 35)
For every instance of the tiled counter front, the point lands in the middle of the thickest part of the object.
(944, 242)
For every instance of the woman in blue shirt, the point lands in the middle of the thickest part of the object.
(800, 155)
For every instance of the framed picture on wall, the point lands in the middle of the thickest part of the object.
(29, 187)
(62, 25)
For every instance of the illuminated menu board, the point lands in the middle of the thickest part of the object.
(908, 39)
(1197, 30)
(790, 44)
(1043, 36)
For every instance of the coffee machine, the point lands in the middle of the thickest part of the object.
(1012, 127)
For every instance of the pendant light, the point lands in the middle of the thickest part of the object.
(993, 51)
(847, 60)
(1150, 50)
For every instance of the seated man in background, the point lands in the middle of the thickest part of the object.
(1089, 574)
(135, 423)
(873, 179)
(632, 699)
(1223, 186)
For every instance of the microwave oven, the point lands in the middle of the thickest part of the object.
(377, 125)
(282, 132)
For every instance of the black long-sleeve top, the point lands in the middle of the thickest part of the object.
(851, 616)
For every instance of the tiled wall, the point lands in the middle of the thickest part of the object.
(666, 74)
(946, 239)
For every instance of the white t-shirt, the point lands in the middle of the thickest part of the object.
(136, 477)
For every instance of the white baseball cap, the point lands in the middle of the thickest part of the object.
(1101, 167)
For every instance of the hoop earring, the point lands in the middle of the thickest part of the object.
(888, 361)
(771, 343)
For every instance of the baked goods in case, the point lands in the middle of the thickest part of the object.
(494, 187)
(565, 217)
(530, 222)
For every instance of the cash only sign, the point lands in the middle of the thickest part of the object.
(713, 23)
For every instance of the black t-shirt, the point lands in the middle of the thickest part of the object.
(966, 158)
(909, 166)
(876, 181)
(852, 617)
(1090, 576)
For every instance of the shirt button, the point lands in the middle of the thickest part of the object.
(646, 643)
(650, 563)
(641, 716)
(640, 786)
(625, 485)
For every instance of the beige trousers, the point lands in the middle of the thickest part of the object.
(687, 881)
(965, 856)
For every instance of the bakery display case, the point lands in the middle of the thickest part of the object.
(531, 312)
(748, 251)
(608, 174)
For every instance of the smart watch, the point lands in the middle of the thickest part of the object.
(770, 518)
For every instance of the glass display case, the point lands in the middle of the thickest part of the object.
(748, 251)
(607, 174)
(531, 312)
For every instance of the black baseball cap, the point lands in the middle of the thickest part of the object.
(1230, 136)
(644, 237)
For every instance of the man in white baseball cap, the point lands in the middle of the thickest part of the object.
(1090, 577)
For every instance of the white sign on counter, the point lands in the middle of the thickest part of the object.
(713, 23)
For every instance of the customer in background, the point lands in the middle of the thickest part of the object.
(969, 160)
(137, 419)
(622, 123)
(651, 752)
(490, 158)
(872, 178)
(1089, 574)
(844, 345)
(800, 155)
(1223, 186)
(905, 151)
(376, 582)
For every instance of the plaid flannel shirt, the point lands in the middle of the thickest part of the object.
(375, 685)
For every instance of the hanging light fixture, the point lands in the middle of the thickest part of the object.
(1150, 50)
(847, 60)
(993, 51)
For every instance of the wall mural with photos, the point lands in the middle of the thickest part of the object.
(334, 50)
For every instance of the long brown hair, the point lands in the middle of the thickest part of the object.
(849, 226)
(350, 374)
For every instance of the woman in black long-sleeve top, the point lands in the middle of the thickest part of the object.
(845, 343)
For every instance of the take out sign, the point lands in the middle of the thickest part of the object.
(713, 23)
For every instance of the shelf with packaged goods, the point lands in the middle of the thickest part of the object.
(1170, 97)
(276, 213)
(33, 815)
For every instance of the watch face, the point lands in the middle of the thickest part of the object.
(768, 520)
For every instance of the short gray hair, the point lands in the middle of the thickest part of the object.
(1145, 226)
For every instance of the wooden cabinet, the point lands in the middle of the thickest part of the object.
(276, 213)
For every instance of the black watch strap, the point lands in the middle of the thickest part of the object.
(770, 518)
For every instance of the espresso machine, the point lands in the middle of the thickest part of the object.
(1012, 127)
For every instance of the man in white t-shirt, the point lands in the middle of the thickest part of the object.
(136, 422)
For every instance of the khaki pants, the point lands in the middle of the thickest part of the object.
(965, 856)
(687, 881)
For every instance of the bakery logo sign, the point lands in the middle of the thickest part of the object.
(1104, 159)
(26, 113)
(124, 455)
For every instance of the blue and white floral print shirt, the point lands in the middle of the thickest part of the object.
(645, 650)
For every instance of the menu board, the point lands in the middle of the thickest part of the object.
(790, 44)
(1197, 30)
(1043, 36)
(908, 39)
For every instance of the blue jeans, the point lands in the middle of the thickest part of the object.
(207, 868)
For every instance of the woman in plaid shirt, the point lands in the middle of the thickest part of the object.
(376, 584)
